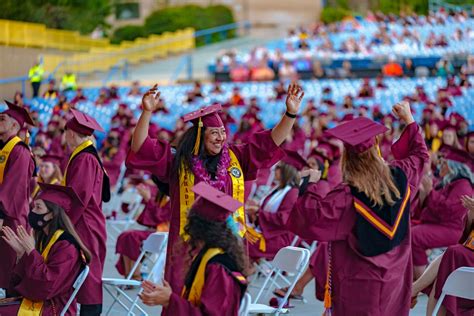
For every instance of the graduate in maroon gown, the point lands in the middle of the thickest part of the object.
(214, 283)
(368, 234)
(86, 175)
(50, 259)
(459, 255)
(49, 172)
(442, 218)
(268, 233)
(204, 155)
(17, 167)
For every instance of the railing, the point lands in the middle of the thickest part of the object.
(435, 5)
(25, 34)
(113, 59)
(224, 31)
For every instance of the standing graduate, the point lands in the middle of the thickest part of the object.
(204, 155)
(86, 175)
(365, 220)
(16, 169)
(49, 172)
(48, 261)
(214, 283)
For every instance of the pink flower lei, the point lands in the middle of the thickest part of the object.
(201, 173)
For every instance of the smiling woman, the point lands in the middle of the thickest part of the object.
(203, 155)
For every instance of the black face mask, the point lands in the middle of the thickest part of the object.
(37, 221)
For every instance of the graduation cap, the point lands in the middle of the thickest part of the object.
(455, 154)
(54, 159)
(204, 117)
(63, 196)
(83, 123)
(213, 204)
(293, 158)
(19, 114)
(359, 134)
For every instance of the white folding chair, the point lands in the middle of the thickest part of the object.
(153, 247)
(77, 285)
(460, 283)
(125, 221)
(245, 305)
(290, 259)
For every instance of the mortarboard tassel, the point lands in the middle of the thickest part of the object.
(328, 286)
(27, 137)
(198, 139)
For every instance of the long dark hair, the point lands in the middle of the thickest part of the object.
(60, 221)
(214, 235)
(184, 152)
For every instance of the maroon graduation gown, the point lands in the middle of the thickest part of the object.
(454, 257)
(50, 282)
(14, 196)
(386, 278)
(156, 157)
(85, 175)
(129, 242)
(273, 226)
(442, 220)
(220, 296)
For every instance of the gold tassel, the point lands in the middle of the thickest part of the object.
(27, 137)
(379, 151)
(198, 138)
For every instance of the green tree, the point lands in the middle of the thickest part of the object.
(77, 15)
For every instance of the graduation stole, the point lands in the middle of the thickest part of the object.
(33, 308)
(5, 153)
(186, 195)
(76, 151)
(254, 237)
(193, 295)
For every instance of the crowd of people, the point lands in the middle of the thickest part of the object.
(376, 36)
(377, 192)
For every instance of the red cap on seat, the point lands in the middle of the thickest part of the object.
(359, 134)
(213, 204)
(83, 123)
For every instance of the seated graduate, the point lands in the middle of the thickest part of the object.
(267, 232)
(214, 284)
(48, 260)
(432, 280)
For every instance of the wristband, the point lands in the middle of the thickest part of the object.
(293, 116)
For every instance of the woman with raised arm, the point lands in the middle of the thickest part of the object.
(365, 219)
(204, 155)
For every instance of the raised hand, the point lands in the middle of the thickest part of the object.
(403, 112)
(12, 239)
(314, 175)
(293, 98)
(468, 202)
(151, 99)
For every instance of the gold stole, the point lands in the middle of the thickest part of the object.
(5, 153)
(195, 291)
(32, 308)
(76, 151)
(186, 195)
